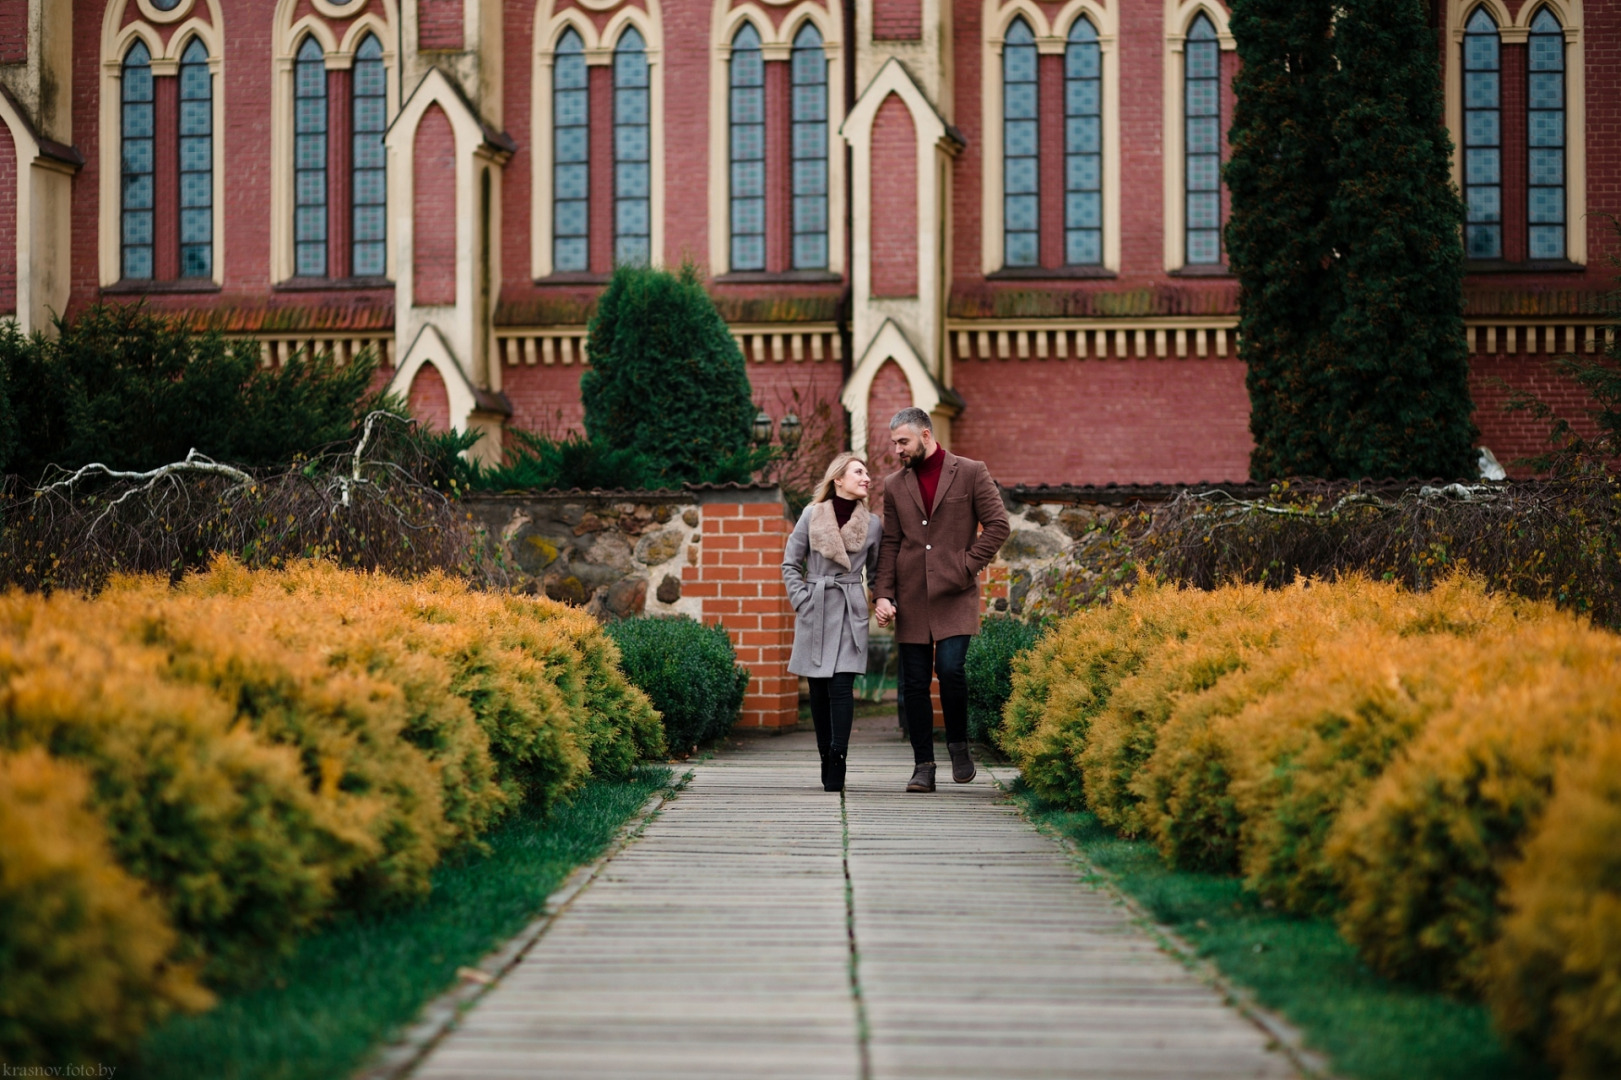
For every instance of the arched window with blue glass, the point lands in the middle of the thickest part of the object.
(1083, 146)
(571, 156)
(809, 114)
(1482, 137)
(1545, 129)
(136, 130)
(309, 160)
(196, 162)
(1021, 146)
(1201, 149)
(632, 151)
(746, 139)
(369, 183)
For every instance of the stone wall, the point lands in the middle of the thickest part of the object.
(712, 554)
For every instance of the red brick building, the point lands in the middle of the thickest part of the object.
(1007, 212)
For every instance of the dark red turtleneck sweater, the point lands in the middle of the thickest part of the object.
(842, 509)
(928, 476)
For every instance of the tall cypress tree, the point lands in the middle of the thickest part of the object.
(1281, 180)
(1397, 391)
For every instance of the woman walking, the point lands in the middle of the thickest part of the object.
(835, 540)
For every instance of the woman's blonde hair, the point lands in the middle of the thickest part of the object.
(835, 469)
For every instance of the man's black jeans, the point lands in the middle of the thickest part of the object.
(946, 658)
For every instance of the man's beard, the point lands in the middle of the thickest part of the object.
(918, 457)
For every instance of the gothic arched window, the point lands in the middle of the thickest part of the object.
(633, 219)
(369, 184)
(809, 150)
(1482, 138)
(747, 140)
(1083, 146)
(309, 160)
(1545, 115)
(1201, 83)
(1021, 144)
(571, 157)
(139, 157)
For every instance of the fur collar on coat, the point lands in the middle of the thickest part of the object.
(833, 543)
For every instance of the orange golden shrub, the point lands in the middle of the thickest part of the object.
(85, 953)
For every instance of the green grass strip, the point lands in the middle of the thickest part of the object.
(1369, 1027)
(319, 1013)
(863, 1030)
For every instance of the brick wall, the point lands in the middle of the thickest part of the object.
(897, 20)
(545, 398)
(1519, 434)
(14, 32)
(894, 201)
(1104, 421)
(890, 394)
(440, 24)
(739, 580)
(8, 221)
(429, 401)
(433, 257)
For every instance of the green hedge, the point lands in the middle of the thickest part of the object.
(688, 670)
(989, 668)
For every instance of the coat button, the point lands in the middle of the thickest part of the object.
(925, 521)
(928, 547)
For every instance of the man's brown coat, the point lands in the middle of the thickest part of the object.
(929, 562)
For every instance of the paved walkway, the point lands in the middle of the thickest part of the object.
(719, 945)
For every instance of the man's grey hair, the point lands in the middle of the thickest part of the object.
(913, 417)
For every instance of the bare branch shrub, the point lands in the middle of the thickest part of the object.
(378, 503)
(1556, 540)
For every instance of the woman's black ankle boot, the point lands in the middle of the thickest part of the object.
(833, 771)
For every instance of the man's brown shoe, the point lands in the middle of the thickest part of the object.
(922, 777)
(962, 763)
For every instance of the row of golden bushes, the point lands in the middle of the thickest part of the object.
(1440, 772)
(192, 776)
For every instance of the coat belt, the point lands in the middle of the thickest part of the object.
(819, 586)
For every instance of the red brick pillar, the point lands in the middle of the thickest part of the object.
(738, 579)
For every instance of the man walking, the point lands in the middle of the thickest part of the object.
(935, 508)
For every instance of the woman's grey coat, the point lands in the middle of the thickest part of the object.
(830, 626)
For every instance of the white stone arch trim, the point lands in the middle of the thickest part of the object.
(460, 322)
(312, 26)
(1515, 31)
(115, 42)
(29, 314)
(777, 43)
(890, 343)
(287, 36)
(430, 349)
(549, 25)
(1051, 38)
(933, 141)
(368, 23)
(1179, 16)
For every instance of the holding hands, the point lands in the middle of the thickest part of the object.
(885, 610)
